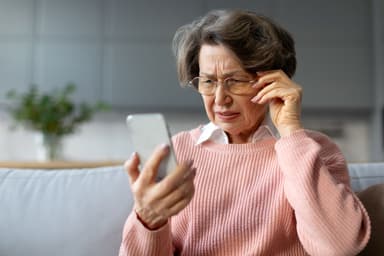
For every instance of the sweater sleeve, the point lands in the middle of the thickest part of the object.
(330, 219)
(138, 240)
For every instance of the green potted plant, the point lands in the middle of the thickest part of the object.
(53, 114)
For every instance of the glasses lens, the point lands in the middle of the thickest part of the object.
(208, 86)
(239, 87)
(195, 83)
(203, 85)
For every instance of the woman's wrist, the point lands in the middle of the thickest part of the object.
(151, 225)
(288, 130)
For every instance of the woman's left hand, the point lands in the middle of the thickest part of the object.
(284, 98)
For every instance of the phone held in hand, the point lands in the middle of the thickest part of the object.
(146, 132)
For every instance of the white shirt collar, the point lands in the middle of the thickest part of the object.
(217, 135)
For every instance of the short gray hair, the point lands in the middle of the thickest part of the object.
(259, 43)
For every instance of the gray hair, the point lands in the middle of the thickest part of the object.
(258, 42)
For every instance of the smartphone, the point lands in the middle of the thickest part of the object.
(146, 132)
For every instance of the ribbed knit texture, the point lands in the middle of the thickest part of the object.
(285, 197)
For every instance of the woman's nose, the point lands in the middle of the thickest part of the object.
(221, 95)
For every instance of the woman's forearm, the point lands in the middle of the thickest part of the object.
(330, 218)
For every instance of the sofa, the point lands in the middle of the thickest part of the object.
(81, 212)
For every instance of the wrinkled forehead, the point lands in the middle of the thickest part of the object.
(217, 59)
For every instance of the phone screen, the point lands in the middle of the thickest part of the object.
(146, 132)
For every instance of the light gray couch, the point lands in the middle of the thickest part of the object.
(82, 212)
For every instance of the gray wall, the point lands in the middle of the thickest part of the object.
(119, 51)
(377, 138)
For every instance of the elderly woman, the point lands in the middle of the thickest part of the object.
(239, 189)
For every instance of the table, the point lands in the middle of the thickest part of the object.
(57, 164)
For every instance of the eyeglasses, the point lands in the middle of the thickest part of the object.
(208, 86)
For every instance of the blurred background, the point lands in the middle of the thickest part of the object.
(119, 51)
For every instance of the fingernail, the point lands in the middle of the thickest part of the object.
(189, 163)
(191, 172)
(164, 146)
(255, 99)
(257, 84)
(132, 156)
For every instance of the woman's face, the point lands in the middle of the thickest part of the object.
(235, 114)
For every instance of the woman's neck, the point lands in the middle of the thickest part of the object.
(239, 138)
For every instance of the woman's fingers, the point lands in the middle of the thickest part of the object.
(132, 167)
(279, 83)
(175, 179)
(151, 167)
(185, 190)
(177, 200)
(284, 98)
(153, 201)
(169, 192)
(278, 90)
(156, 202)
(270, 76)
(176, 208)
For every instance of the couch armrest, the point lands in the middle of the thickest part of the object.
(373, 200)
(364, 175)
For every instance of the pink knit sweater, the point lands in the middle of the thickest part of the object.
(284, 197)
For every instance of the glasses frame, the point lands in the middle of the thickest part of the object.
(224, 83)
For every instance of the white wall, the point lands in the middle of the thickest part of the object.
(106, 137)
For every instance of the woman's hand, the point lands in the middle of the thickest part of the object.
(156, 202)
(284, 98)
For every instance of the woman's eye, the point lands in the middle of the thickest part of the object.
(232, 81)
(207, 81)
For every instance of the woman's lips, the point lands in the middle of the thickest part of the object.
(227, 116)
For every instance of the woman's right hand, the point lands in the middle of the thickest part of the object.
(156, 202)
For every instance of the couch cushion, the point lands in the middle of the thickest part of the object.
(82, 212)
(364, 175)
(63, 212)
